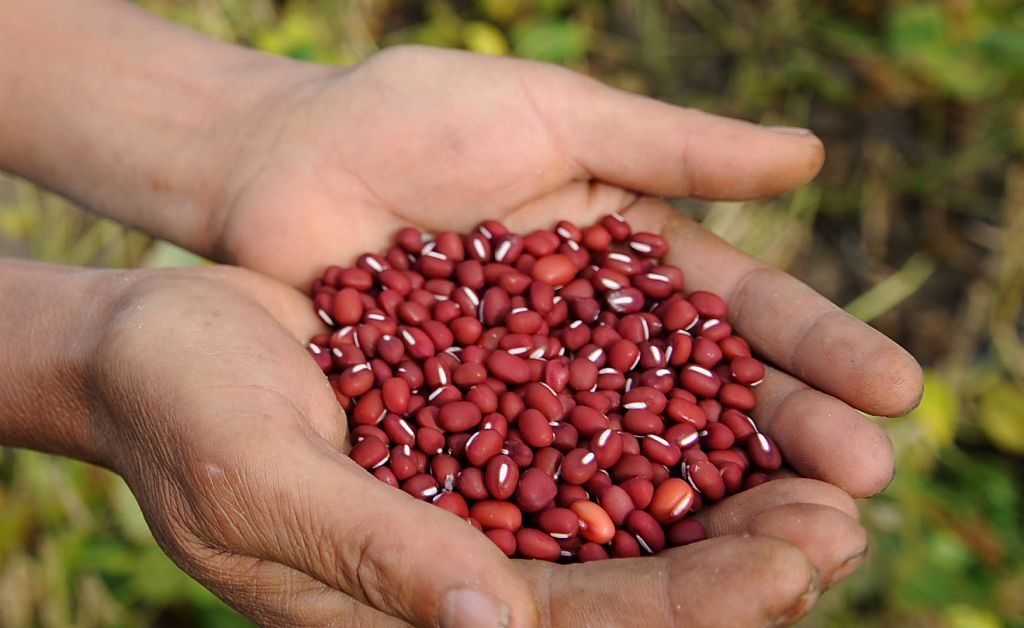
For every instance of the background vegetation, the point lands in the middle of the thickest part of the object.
(916, 225)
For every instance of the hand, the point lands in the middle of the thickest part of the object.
(231, 440)
(335, 163)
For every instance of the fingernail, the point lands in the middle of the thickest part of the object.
(789, 130)
(465, 608)
(848, 566)
(802, 603)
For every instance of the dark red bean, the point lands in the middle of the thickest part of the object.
(482, 446)
(642, 422)
(616, 502)
(617, 227)
(660, 450)
(508, 368)
(764, 452)
(548, 460)
(536, 490)
(430, 440)
(704, 476)
(607, 448)
(459, 416)
(717, 436)
(741, 425)
(537, 545)
(386, 476)
(541, 397)
(631, 466)
(647, 531)
(560, 523)
(699, 381)
(640, 490)
(588, 421)
(737, 396)
(624, 545)
(470, 483)
(505, 540)
(370, 453)
(685, 532)
(579, 466)
(501, 477)
(534, 428)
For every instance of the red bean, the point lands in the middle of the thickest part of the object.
(537, 545)
(554, 270)
(370, 453)
(386, 476)
(741, 425)
(536, 490)
(535, 430)
(617, 227)
(642, 422)
(737, 396)
(685, 532)
(560, 523)
(640, 490)
(616, 502)
(717, 436)
(579, 466)
(588, 421)
(671, 501)
(660, 450)
(679, 315)
(646, 530)
(445, 470)
(459, 416)
(595, 524)
(624, 545)
(395, 393)
(548, 460)
(470, 484)
(505, 540)
(631, 466)
(482, 446)
(356, 380)
(703, 476)
(430, 440)
(734, 347)
(494, 514)
(421, 486)
(508, 368)
(648, 244)
(700, 381)
(764, 452)
(542, 397)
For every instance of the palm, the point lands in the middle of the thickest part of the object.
(443, 140)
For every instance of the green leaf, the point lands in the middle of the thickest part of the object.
(939, 411)
(1002, 417)
(560, 41)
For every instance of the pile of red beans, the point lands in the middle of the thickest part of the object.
(557, 390)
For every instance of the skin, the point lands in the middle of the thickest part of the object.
(234, 446)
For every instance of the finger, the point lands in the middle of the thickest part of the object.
(735, 514)
(823, 438)
(650, 146)
(729, 581)
(272, 594)
(288, 496)
(788, 323)
(400, 555)
(833, 541)
(816, 517)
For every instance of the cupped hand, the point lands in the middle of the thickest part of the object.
(232, 441)
(335, 162)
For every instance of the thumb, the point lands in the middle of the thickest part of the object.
(653, 147)
(400, 555)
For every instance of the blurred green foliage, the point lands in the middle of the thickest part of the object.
(916, 223)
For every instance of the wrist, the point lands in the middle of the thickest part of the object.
(52, 320)
(131, 116)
